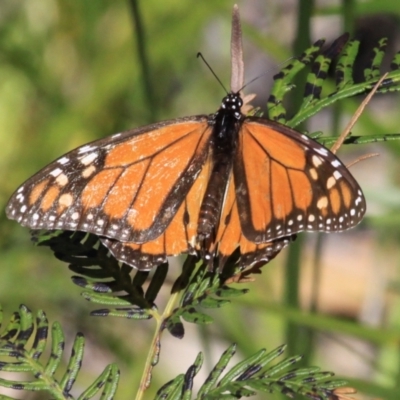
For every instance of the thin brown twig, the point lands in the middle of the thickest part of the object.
(362, 158)
(356, 116)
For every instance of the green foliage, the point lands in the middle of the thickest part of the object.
(110, 284)
(205, 289)
(20, 355)
(246, 378)
(250, 376)
(314, 99)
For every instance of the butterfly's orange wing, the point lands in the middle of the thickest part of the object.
(230, 236)
(288, 183)
(179, 237)
(126, 187)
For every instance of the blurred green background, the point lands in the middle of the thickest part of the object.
(71, 72)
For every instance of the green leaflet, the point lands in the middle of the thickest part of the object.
(14, 345)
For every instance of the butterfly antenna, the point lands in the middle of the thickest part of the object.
(266, 73)
(212, 71)
(254, 79)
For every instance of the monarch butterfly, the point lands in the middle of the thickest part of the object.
(205, 184)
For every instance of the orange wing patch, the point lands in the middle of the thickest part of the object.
(49, 198)
(276, 145)
(120, 197)
(146, 146)
(165, 170)
(346, 193)
(178, 238)
(96, 191)
(229, 236)
(229, 230)
(36, 191)
(282, 201)
(301, 189)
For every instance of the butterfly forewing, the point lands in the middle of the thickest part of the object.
(128, 186)
(288, 183)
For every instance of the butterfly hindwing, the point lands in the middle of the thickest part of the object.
(287, 183)
(230, 236)
(179, 236)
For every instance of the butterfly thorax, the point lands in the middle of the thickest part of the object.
(225, 124)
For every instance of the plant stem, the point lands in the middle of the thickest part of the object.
(155, 345)
(140, 38)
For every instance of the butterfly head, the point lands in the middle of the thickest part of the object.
(232, 103)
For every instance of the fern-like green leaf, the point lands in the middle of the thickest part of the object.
(315, 97)
(353, 139)
(250, 377)
(217, 371)
(21, 358)
(108, 380)
(105, 280)
(344, 66)
(373, 72)
(319, 72)
(204, 289)
(282, 81)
